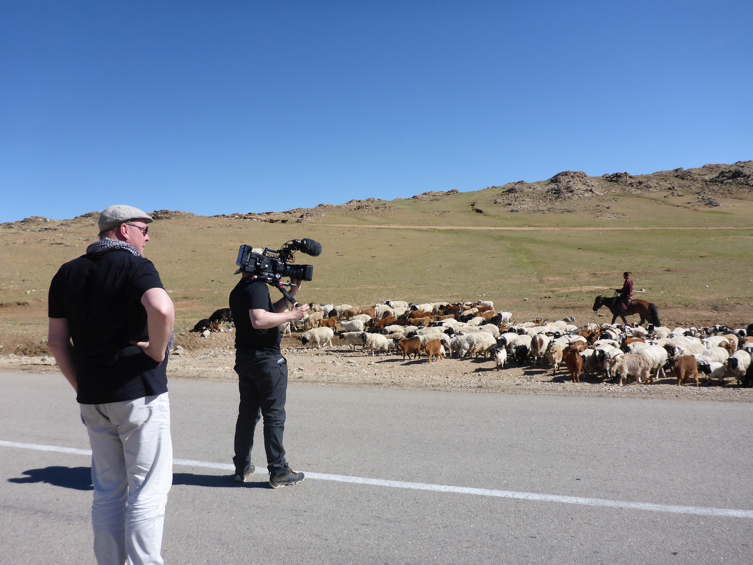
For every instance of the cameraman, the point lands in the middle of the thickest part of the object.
(263, 375)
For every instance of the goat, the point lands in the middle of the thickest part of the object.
(631, 364)
(685, 366)
(434, 349)
(408, 346)
(573, 362)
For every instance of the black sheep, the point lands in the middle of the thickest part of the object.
(201, 325)
(221, 315)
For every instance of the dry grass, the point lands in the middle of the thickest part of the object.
(692, 261)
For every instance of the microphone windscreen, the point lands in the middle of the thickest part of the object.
(311, 247)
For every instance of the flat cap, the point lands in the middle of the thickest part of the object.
(113, 216)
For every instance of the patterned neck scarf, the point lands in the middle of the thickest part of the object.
(105, 245)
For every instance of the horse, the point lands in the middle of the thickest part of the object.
(646, 310)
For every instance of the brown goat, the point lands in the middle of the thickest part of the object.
(685, 366)
(433, 348)
(408, 346)
(384, 322)
(328, 323)
(573, 362)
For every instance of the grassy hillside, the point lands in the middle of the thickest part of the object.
(539, 250)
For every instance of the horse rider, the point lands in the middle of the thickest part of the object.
(626, 292)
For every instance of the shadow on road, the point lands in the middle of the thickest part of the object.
(77, 478)
(217, 481)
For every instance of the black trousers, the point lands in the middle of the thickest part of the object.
(263, 384)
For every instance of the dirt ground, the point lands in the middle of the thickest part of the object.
(212, 359)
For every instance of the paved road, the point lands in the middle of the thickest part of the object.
(404, 477)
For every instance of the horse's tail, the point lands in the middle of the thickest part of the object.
(653, 314)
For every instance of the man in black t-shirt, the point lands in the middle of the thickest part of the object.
(110, 324)
(262, 376)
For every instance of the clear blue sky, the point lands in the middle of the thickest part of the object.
(249, 106)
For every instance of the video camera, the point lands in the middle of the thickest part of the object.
(272, 264)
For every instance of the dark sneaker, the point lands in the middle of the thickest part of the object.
(242, 475)
(285, 478)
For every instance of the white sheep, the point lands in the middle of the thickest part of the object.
(555, 351)
(394, 329)
(312, 320)
(611, 332)
(377, 343)
(499, 354)
(539, 345)
(477, 343)
(678, 332)
(341, 308)
(505, 318)
(637, 331)
(714, 341)
(631, 364)
(713, 355)
(680, 346)
(713, 370)
(738, 363)
(658, 357)
(319, 337)
(399, 311)
(634, 346)
(591, 362)
(660, 332)
(382, 310)
(456, 342)
(426, 338)
(608, 354)
(353, 339)
(560, 325)
(512, 341)
(365, 318)
(490, 329)
(605, 343)
(350, 326)
(430, 330)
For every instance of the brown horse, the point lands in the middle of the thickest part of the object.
(646, 310)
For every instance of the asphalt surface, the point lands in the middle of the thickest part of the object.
(403, 477)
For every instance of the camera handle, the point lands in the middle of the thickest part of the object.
(277, 283)
(286, 294)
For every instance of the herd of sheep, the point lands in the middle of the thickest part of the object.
(718, 355)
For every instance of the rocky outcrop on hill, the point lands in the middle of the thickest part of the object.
(299, 215)
(705, 184)
(37, 223)
(170, 214)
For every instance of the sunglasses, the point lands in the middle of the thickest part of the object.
(144, 231)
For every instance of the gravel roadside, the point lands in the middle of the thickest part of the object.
(212, 359)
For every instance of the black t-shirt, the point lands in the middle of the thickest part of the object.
(100, 296)
(252, 295)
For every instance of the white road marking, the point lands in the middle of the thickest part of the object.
(599, 502)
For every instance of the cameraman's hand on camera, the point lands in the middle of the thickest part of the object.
(299, 311)
(295, 286)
